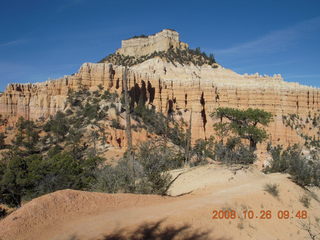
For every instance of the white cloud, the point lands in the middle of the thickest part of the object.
(274, 41)
(301, 76)
(244, 67)
(10, 43)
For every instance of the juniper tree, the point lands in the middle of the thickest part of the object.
(245, 123)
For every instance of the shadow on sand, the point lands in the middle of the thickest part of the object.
(158, 231)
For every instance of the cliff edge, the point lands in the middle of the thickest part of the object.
(173, 78)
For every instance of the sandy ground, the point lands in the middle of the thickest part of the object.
(196, 193)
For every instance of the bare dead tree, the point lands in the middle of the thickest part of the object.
(188, 142)
(165, 140)
(128, 120)
(94, 137)
(311, 229)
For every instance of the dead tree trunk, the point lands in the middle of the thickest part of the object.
(188, 142)
(166, 129)
(128, 121)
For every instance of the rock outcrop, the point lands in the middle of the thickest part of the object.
(144, 45)
(172, 88)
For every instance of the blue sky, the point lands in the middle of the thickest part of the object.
(50, 38)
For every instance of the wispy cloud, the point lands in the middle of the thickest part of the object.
(244, 67)
(11, 43)
(301, 76)
(274, 41)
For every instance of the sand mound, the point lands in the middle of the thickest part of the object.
(50, 209)
(86, 215)
(201, 177)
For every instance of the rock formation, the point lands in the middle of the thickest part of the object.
(171, 87)
(162, 41)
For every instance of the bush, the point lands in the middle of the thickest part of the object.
(106, 95)
(203, 149)
(26, 177)
(20, 175)
(113, 179)
(2, 141)
(149, 176)
(234, 152)
(155, 160)
(3, 212)
(173, 55)
(58, 125)
(272, 189)
(116, 124)
(176, 134)
(154, 121)
(27, 135)
(91, 111)
(305, 200)
(303, 171)
(159, 124)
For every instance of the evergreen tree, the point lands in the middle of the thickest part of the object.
(244, 123)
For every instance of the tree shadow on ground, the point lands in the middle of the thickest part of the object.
(159, 231)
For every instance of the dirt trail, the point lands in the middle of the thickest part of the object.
(93, 215)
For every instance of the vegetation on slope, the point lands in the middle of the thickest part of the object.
(301, 162)
(305, 171)
(65, 151)
(308, 128)
(241, 126)
(172, 55)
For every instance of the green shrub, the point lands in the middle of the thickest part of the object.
(157, 123)
(303, 171)
(176, 134)
(305, 200)
(27, 136)
(91, 111)
(2, 141)
(152, 161)
(155, 160)
(69, 112)
(173, 55)
(233, 151)
(272, 189)
(116, 124)
(203, 149)
(58, 125)
(113, 179)
(3, 212)
(26, 177)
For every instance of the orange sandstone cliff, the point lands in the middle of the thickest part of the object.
(171, 87)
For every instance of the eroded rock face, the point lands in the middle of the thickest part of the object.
(171, 88)
(162, 41)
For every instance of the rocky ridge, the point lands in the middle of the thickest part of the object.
(171, 88)
(143, 45)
